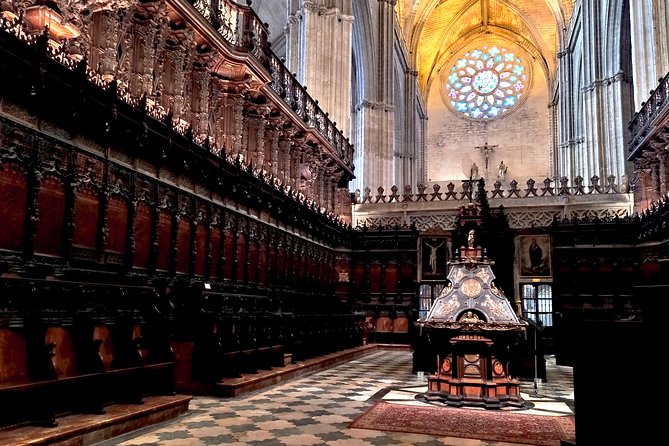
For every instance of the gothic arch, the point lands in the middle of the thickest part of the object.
(364, 50)
(444, 57)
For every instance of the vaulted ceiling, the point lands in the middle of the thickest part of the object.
(438, 30)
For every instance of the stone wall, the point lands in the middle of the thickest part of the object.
(522, 138)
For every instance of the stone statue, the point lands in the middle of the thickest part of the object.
(470, 238)
(469, 318)
(474, 172)
(501, 170)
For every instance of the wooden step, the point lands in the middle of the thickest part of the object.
(85, 429)
(231, 387)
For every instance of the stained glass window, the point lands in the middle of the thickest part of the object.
(486, 83)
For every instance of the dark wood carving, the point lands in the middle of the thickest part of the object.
(242, 257)
(164, 250)
(215, 253)
(117, 227)
(13, 192)
(183, 245)
(143, 230)
(375, 278)
(86, 219)
(201, 236)
(390, 280)
(51, 204)
(253, 255)
(280, 268)
(262, 258)
(229, 251)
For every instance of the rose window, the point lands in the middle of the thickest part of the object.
(486, 83)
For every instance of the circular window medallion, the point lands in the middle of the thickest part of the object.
(471, 288)
(486, 83)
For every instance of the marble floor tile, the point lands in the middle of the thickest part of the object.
(316, 409)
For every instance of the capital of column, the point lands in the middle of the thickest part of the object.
(313, 8)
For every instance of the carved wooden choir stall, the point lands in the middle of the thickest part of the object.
(473, 325)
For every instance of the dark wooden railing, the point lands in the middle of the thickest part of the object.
(643, 122)
(241, 27)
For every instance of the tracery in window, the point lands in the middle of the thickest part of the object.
(486, 83)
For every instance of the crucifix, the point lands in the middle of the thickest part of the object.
(486, 150)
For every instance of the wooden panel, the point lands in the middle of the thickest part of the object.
(65, 357)
(375, 278)
(86, 211)
(164, 240)
(103, 333)
(390, 281)
(13, 356)
(262, 262)
(143, 223)
(13, 191)
(408, 277)
(359, 277)
(183, 246)
(117, 221)
(271, 266)
(241, 257)
(281, 265)
(51, 202)
(215, 262)
(253, 262)
(200, 248)
(384, 324)
(229, 249)
(401, 324)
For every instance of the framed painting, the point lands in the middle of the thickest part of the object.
(535, 256)
(434, 258)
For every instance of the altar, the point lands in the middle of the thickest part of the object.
(475, 329)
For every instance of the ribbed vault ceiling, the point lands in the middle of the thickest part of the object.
(438, 30)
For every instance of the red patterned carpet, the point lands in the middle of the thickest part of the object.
(510, 427)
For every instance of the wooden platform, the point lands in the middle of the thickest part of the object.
(83, 430)
(232, 387)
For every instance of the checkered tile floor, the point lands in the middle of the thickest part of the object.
(316, 410)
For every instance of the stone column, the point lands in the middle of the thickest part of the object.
(375, 114)
(565, 137)
(649, 23)
(422, 167)
(316, 28)
(606, 89)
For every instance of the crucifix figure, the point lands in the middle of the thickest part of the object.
(486, 150)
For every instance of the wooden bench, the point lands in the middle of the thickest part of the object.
(75, 347)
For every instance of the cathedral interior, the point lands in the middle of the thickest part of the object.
(204, 198)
